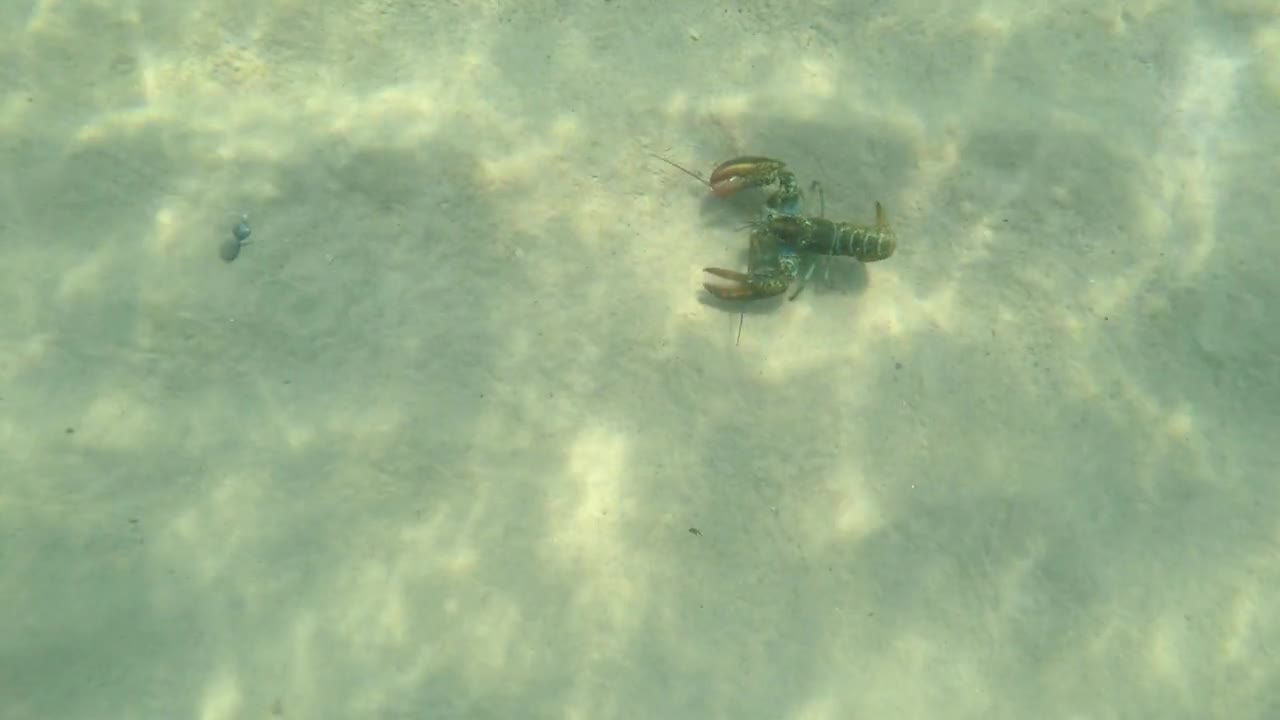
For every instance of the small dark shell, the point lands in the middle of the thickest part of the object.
(229, 249)
(241, 231)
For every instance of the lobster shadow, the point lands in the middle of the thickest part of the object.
(760, 306)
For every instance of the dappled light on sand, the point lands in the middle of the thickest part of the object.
(460, 433)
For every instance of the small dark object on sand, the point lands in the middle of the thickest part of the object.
(230, 248)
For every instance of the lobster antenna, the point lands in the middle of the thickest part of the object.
(742, 315)
(684, 170)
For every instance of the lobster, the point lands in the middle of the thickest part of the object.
(784, 242)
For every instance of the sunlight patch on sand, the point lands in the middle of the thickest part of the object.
(1169, 648)
(840, 509)
(117, 420)
(589, 517)
(1187, 170)
(222, 697)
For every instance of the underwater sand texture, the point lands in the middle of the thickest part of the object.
(434, 444)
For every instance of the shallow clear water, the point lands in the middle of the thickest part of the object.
(459, 434)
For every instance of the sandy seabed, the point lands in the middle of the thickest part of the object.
(460, 435)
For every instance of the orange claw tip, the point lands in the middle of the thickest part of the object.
(717, 290)
(724, 187)
(726, 274)
(738, 291)
(728, 293)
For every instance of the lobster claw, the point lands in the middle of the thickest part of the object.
(742, 172)
(744, 286)
(739, 290)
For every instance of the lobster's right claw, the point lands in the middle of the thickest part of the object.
(743, 172)
(744, 287)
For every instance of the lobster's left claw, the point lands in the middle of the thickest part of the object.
(739, 290)
(744, 287)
